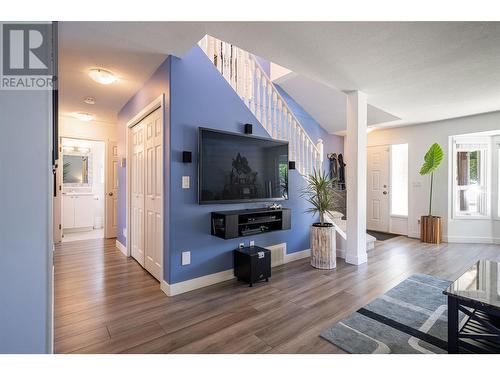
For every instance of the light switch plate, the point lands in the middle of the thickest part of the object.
(124, 232)
(186, 258)
(185, 182)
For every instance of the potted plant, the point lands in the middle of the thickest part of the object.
(323, 200)
(430, 226)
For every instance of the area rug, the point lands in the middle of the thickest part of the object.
(381, 236)
(410, 318)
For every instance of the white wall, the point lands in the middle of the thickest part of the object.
(94, 130)
(25, 222)
(419, 138)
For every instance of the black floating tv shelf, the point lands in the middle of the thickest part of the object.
(250, 222)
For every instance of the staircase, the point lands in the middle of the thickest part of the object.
(245, 75)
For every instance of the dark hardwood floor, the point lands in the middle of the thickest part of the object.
(106, 303)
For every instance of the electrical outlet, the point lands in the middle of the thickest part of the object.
(186, 258)
(252, 243)
(242, 244)
(185, 182)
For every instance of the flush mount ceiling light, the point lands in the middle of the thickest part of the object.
(82, 116)
(89, 100)
(102, 76)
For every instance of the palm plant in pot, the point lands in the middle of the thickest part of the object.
(323, 198)
(430, 226)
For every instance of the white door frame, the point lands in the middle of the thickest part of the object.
(106, 185)
(159, 102)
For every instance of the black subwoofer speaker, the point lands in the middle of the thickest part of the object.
(248, 128)
(252, 264)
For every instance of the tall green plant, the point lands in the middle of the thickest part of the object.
(432, 160)
(321, 195)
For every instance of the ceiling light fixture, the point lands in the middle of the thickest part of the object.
(89, 100)
(82, 116)
(102, 76)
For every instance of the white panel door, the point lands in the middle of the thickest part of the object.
(137, 193)
(112, 191)
(377, 200)
(153, 153)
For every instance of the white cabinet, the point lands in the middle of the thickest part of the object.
(68, 211)
(78, 211)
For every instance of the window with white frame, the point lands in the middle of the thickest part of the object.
(399, 180)
(470, 181)
(498, 177)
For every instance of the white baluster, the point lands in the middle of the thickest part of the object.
(270, 108)
(289, 126)
(275, 118)
(279, 121)
(263, 113)
(301, 151)
(257, 95)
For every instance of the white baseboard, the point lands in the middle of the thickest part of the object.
(471, 239)
(215, 278)
(197, 283)
(297, 255)
(121, 247)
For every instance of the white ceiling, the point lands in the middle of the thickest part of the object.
(326, 104)
(417, 71)
(132, 50)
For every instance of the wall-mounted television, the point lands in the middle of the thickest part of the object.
(236, 168)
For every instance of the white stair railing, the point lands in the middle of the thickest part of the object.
(245, 75)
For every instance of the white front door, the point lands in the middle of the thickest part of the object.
(154, 194)
(111, 228)
(377, 200)
(137, 193)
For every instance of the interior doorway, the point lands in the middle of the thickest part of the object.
(387, 189)
(83, 177)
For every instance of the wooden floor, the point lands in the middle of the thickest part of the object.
(106, 303)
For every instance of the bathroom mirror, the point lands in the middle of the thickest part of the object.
(76, 169)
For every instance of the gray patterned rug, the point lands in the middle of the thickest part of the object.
(410, 318)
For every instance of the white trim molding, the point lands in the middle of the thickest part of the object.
(197, 283)
(297, 255)
(219, 277)
(121, 247)
(159, 102)
(472, 239)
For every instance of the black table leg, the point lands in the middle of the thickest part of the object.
(452, 325)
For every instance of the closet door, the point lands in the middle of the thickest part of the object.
(137, 193)
(153, 152)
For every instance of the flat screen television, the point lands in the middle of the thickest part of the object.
(235, 168)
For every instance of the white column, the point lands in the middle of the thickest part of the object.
(355, 158)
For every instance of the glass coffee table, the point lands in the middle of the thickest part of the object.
(476, 295)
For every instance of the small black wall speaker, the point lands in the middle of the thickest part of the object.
(291, 164)
(186, 156)
(248, 128)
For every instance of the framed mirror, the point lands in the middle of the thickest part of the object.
(76, 170)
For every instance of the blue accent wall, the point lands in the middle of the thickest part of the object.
(200, 96)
